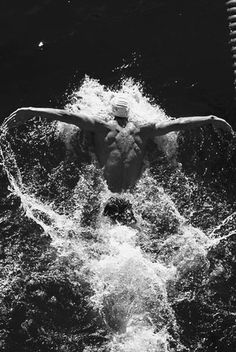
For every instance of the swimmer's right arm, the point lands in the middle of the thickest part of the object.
(22, 115)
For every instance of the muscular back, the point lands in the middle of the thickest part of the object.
(119, 146)
(120, 152)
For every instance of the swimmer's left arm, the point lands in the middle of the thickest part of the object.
(184, 123)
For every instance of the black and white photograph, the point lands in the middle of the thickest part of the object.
(118, 176)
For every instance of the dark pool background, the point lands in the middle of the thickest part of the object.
(180, 52)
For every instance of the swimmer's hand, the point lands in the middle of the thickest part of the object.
(17, 118)
(221, 124)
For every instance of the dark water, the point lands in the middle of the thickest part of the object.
(71, 280)
(182, 52)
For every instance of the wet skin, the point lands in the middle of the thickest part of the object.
(120, 151)
(119, 145)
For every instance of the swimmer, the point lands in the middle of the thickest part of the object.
(119, 144)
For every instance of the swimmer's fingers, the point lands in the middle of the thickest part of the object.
(17, 118)
(7, 123)
(10, 121)
(221, 124)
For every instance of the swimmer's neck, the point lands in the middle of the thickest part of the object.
(122, 122)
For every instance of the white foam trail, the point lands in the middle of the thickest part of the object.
(130, 286)
(215, 237)
(140, 339)
(223, 223)
(215, 241)
(126, 282)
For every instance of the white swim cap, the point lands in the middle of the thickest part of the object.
(120, 106)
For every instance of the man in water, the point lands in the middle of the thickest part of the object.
(119, 144)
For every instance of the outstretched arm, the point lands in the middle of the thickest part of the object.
(185, 123)
(81, 120)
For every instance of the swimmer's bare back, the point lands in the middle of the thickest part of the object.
(119, 144)
(120, 152)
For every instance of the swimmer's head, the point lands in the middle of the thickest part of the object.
(120, 106)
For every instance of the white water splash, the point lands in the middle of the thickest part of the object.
(94, 99)
(130, 285)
